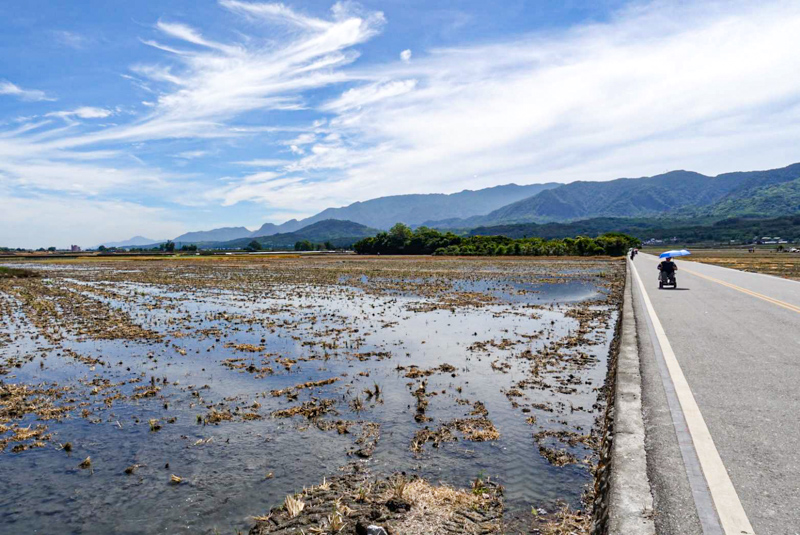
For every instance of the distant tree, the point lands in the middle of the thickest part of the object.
(329, 246)
(254, 245)
(102, 249)
(169, 246)
(303, 245)
(51, 249)
(189, 248)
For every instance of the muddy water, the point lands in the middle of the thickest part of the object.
(363, 330)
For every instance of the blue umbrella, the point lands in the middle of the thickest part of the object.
(674, 253)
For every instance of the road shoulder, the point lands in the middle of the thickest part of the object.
(630, 503)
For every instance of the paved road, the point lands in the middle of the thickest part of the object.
(736, 339)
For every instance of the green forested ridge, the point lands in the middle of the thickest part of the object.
(402, 240)
(774, 200)
(740, 229)
(684, 194)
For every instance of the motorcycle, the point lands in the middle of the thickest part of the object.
(667, 279)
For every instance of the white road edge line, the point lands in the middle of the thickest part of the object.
(731, 513)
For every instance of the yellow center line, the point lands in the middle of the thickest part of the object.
(778, 302)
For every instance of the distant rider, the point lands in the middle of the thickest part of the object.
(667, 268)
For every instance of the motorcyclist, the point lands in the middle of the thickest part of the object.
(667, 268)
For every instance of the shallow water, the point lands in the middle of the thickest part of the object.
(324, 327)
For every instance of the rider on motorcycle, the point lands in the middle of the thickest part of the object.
(667, 269)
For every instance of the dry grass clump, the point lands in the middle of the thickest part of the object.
(86, 464)
(415, 372)
(477, 429)
(566, 521)
(214, 416)
(310, 384)
(145, 391)
(433, 506)
(436, 436)
(18, 401)
(310, 409)
(294, 506)
(250, 348)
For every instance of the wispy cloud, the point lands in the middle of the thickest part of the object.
(34, 95)
(359, 97)
(706, 86)
(71, 39)
(264, 162)
(192, 154)
(84, 112)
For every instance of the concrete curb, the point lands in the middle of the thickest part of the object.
(630, 501)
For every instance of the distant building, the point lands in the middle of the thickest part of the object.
(74, 248)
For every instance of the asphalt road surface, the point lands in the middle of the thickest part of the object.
(726, 363)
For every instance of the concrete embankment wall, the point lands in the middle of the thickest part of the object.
(623, 500)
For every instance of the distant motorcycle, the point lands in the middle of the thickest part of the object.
(667, 279)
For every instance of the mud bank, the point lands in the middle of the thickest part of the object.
(356, 502)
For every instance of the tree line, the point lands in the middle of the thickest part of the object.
(400, 239)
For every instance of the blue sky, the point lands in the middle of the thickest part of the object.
(154, 118)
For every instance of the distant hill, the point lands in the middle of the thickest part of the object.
(415, 209)
(136, 241)
(677, 194)
(268, 229)
(339, 233)
(219, 234)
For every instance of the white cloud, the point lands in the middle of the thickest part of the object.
(264, 162)
(192, 154)
(405, 56)
(33, 95)
(190, 35)
(85, 112)
(365, 95)
(276, 12)
(71, 39)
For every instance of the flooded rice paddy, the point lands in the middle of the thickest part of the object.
(191, 395)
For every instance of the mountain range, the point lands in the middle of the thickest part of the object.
(676, 194)
(337, 232)
(687, 194)
(136, 241)
(383, 212)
